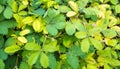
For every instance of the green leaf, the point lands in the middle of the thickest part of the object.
(78, 25)
(82, 3)
(3, 56)
(70, 29)
(52, 61)
(52, 30)
(24, 65)
(58, 18)
(2, 2)
(85, 45)
(39, 11)
(114, 62)
(2, 64)
(44, 60)
(67, 41)
(5, 25)
(52, 13)
(114, 2)
(8, 13)
(64, 9)
(1, 8)
(33, 58)
(80, 35)
(60, 25)
(1, 41)
(32, 46)
(73, 61)
(97, 44)
(117, 8)
(12, 49)
(10, 41)
(3, 30)
(76, 51)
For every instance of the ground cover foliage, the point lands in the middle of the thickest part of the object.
(59, 34)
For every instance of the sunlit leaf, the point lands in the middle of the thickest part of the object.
(22, 39)
(32, 46)
(73, 5)
(28, 20)
(12, 49)
(85, 45)
(80, 35)
(14, 6)
(70, 14)
(70, 29)
(97, 44)
(24, 32)
(33, 58)
(44, 60)
(64, 9)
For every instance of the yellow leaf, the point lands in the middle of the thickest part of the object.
(25, 2)
(63, 56)
(84, 67)
(21, 7)
(89, 59)
(22, 13)
(113, 21)
(110, 42)
(38, 25)
(106, 66)
(90, 66)
(12, 49)
(24, 32)
(22, 39)
(14, 6)
(73, 5)
(85, 45)
(45, 31)
(28, 20)
(98, 37)
(116, 28)
(71, 13)
(18, 20)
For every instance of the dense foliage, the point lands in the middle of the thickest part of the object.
(59, 34)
